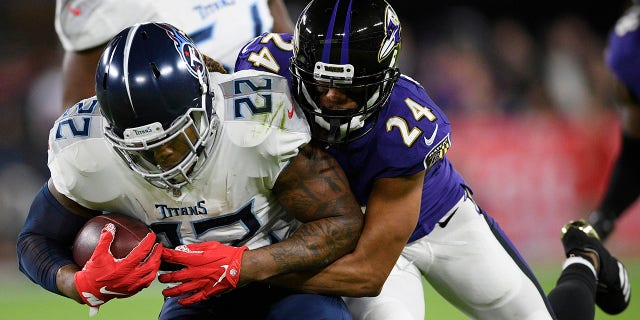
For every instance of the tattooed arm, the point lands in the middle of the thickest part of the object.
(315, 190)
(364, 270)
(392, 213)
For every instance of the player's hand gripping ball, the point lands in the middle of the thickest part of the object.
(123, 258)
(129, 233)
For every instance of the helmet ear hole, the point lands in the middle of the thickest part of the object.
(104, 81)
(155, 70)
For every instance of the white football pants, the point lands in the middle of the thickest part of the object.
(465, 262)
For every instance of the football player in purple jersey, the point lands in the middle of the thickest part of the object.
(391, 139)
(623, 57)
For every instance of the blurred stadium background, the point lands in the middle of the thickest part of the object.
(535, 128)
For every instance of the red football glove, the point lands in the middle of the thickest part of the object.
(104, 277)
(210, 268)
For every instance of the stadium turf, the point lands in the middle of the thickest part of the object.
(22, 300)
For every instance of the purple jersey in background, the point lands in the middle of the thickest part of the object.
(622, 50)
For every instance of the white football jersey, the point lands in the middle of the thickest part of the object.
(219, 28)
(230, 201)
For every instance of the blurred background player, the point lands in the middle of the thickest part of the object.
(219, 29)
(391, 140)
(231, 183)
(590, 274)
(623, 57)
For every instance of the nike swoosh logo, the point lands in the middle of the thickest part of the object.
(93, 300)
(446, 221)
(74, 11)
(290, 113)
(429, 141)
(104, 290)
(224, 274)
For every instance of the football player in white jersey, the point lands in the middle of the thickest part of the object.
(219, 166)
(219, 28)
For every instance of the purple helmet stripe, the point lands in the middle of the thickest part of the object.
(326, 50)
(344, 55)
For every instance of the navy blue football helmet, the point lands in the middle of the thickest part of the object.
(352, 45)
(153, 88)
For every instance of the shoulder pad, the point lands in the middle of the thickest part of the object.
(270, 52)
(82, 121)
(255, 104)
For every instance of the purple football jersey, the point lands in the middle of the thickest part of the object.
(268, 52)
(411, 134)
(390, 150)
(623, 50)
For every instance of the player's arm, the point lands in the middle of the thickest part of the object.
(65, 275)
(78, 75)
(391, 217)
(315, 190)
(44, 243)
(281, 19)
(45, 256)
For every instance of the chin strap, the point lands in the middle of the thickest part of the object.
(203, 87)
(334, 131)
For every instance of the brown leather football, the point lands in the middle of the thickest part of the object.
(129, 232)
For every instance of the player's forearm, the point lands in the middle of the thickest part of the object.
(281, 18)
(348, 276)
(43, 245)
(65, 282)
(362, 272)
(78, 75)
(313, 246)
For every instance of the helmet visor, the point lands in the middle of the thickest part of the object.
(367, 95)
(164, 158)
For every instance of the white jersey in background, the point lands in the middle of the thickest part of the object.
(230, 201)
(218, 27)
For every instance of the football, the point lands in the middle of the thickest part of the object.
(129, 232)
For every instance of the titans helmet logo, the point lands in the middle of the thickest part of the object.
(188, 52)
(391, 42)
